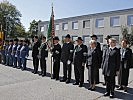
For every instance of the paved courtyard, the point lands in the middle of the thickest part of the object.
(23, 85)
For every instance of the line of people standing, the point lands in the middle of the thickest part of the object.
(15, 53)
(113, 61)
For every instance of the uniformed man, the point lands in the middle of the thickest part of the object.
(24, 53)
(6, 52)
(94, 37)
(5, 47)
(14, 49)
(35, 53)
(66, 58)
(20, 44)
(98, 46)
(110, 66)
(9, 56)
(56, 54)
(80, 55)
(43, 54)
(106, 46)
(126, 62)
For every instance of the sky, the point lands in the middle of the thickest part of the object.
(41, 9)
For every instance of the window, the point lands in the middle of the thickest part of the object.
(130, 20)
(75, 25)
(57, 27)
(42, 29)
(116, 37)
(74, 38)
(46, 27)
(100, 22)
(86, 24)
(114, 21)
(65, 26)
(100, 38)
(86, 39)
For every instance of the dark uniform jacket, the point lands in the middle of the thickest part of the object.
(35, 49)
(80, 54)
(9, 50)
(98, 46)
(43, 50)
(94, 58)
(127, 58)
(14, 49)
(24, 51)
(111, 61)
(56, 52)
(67, 52)
(18, 50)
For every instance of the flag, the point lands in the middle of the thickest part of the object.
(51, 31)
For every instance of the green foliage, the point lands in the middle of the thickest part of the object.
(33, 29)
(9, 18)
(128, 36)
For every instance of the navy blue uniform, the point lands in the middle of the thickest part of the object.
(24, 53)
(14, 49)
(18, 55)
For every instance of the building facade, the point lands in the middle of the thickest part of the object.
(100, 24)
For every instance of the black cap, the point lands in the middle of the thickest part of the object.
(6, 40)
(67, 36)
(25, 41)
(20, 40)
(108, 37)
(16, 40)
(36, 37)
(43, 37)
(94, 36)
(56, 38)
(11, 40)
(79, 38)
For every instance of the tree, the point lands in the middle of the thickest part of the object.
(20, 31)
(33, 29)
(128, 36)
(9, 18)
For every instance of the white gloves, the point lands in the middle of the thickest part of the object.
(68, 62)
(57, 52)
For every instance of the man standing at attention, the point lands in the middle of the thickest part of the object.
(66, 58)
(110, 66)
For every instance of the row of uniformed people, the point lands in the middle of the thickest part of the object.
(111, 59)
(15, 53)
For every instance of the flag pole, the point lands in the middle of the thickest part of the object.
(52, 36)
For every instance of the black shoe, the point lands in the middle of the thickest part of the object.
(67, 81)
(107, 94)
(125, 90)
(81, 84)
(111, 95)
(63, 80)
(53, 78)
(92, 89)
(43, 75)
(120, 88)
(14, 66)
(57, 79)
(35, 73)
(89, 88)
(40, 74)
(76, 83)
(23, 69)
(104, 84)
(18, 67)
